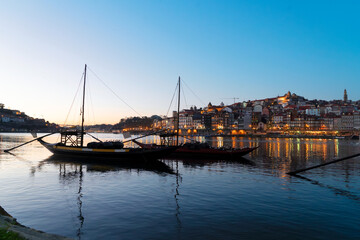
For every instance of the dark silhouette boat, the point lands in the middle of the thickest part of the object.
(110, 154)
(194, 150)
(72, 144)
(156, 166)
(201, 151)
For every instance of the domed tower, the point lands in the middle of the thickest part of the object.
(345, 96)
(288, 95)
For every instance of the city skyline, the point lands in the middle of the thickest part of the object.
(222, 50)
(282, 100)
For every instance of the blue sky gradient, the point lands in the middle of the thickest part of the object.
(221, 49)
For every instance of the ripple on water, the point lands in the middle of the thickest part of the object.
(212, 200)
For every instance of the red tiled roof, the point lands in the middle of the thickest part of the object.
(304, 107)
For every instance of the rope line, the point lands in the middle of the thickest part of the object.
(183, 93)
(114, 92)
(172, 99)
(77, 91)
(193, 92)
(91, 102)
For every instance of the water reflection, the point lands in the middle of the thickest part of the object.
(299, 148)
(176, 196)
(71, 169)
(276, 155)
(220, 142)
(281, 155)
(66, 162)
(282, 147)
(183, 195)
(208, 162)
(65, 175)
(335, 190)
(69, 172)
(80, 216)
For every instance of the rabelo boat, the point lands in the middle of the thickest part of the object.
(194, 150)
(72, 144)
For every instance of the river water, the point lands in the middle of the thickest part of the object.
(252, 198)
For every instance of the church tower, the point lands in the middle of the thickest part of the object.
(345, 96)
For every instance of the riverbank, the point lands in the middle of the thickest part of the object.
(252, 135)
(290, 134)
(15, 231)
(275, 136)
(284, 136)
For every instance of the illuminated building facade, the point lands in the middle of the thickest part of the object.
(281, 114)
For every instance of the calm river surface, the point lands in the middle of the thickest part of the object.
(249, 199)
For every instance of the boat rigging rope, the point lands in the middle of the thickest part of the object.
(113, 92)
(193, 92)
(183, 93)
(77, 91)
(172, 99)
(91, 102)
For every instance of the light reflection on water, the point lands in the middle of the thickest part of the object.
(253, 198)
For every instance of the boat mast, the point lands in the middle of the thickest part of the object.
(178, 117)
(83, 110)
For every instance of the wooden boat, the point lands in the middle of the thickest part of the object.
(202, 151)
(194, 150)
(112, 154)
(191, 150)
(72, 144)
(108, 166)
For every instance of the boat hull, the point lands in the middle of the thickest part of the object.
(211, 153)
(124, 154)
(184, 152)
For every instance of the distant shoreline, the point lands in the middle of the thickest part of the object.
(264, 135)
(272, 136)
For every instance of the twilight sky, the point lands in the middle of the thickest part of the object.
(139, 48)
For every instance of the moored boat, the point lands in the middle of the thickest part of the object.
(194, 150)
(201, 151)
(72, 144)
(111, 154)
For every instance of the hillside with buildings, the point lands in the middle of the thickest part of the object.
(17, 121)
(287, 114)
